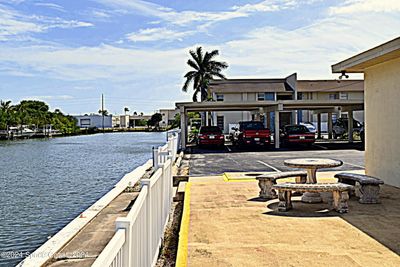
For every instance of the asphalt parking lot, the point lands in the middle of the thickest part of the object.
(212, 161)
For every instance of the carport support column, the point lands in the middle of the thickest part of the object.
(319, 125)
(183, 127)
(276, 138)
(350, 126)
(329, 125)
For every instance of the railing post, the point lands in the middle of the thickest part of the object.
(149, 221)
(155, 158)
(124, 223)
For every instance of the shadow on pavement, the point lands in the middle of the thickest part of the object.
(193, 149)
(379, 221)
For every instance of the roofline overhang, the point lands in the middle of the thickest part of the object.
(358, 63)
(276, 105)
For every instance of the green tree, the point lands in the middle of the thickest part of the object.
(155, 120)
(205, 68)
(177, 121)
(33, 112)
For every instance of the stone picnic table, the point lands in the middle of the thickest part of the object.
(312, 165)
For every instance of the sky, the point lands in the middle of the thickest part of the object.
(69, 52)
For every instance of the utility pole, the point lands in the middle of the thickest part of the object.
(102, 110)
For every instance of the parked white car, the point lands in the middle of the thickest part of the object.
(309, 126)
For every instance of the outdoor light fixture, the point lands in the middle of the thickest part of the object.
(343, 75)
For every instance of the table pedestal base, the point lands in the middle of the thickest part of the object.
(311, 197)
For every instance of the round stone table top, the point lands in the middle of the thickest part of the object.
(314, 163)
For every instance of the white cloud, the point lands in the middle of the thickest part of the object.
(13, 24)
(92, 63)
(310, 50)
(49, 97)
(156, 34)
(190, 16)
(266, 6)
(51, 5)
(357, 6)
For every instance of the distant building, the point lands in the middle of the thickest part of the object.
(329, 90)
(264, 90)
(168, 116)
(94, 121)
(129, 121)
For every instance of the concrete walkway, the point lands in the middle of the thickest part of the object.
(84, 248)
(229, 226)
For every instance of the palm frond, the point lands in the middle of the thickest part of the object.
(187, 83)
(219, 75)
(199, 53)
(195, 57)
(217, 64)
(193, 64)
(190, 73)
(209, 55)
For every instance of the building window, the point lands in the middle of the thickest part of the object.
(300, 96)
(333, 96)
(220, 97)
(85, 122)
(344, 96)
(266, 96)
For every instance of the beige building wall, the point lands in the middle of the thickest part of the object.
(382, 111)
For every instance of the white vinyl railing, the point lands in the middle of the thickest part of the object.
(138, 236)
(171, 148)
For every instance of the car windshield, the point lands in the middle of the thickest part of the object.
(253, 125)
(210, 129)
(344, 123)
(296, 129)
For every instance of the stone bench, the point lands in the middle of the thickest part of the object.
(339, 192)
(266, 181)
(370, 186)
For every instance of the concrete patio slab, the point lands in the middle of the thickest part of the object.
(230, 226)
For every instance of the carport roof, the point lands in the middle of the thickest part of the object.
(280, 105)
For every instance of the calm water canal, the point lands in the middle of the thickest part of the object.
(44, 184)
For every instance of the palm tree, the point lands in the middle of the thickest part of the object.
(205, 69)
(103, 112)
(5, 105)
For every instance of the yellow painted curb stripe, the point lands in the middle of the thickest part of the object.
(232, 179)
(181, 257)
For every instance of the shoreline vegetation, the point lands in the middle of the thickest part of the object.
(33, 119)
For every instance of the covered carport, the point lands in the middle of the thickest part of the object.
(317, 106)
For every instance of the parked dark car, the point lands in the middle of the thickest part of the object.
(362, 135)
(251, 133)
(296, 134)
(340, 127)
(210, 135)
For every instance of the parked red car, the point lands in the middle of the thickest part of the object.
(296, 134)
(251, 133)
(210, 135)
